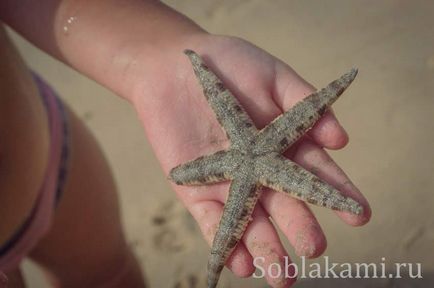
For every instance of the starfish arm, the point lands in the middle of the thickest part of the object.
(237, 124)
(203, 170)
(291, 125)
(283, 175)
(243, 195)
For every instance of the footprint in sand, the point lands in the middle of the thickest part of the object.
(190, 281)
(173, 228)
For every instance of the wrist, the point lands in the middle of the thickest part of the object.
(160, 68)
(118, 45)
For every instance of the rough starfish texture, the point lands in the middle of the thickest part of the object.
(254, 160)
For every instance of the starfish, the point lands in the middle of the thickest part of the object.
(254, 160)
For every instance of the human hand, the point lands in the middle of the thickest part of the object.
(136, 51)
(181, 126)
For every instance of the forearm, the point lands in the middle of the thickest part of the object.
(112, 41)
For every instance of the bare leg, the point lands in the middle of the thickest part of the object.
(86, 245)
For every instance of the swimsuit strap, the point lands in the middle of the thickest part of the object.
(39, 220)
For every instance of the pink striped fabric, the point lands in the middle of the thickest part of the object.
(39, 224)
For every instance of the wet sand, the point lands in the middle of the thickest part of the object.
(388, 113)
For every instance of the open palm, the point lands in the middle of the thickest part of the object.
(184, 127)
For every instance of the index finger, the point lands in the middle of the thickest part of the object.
(316, 160)
(291, 88)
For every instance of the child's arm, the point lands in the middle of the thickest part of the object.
(135, 48)
(111, 41)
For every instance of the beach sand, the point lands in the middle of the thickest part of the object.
(388, 112)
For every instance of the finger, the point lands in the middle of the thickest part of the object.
(290, 89)
(190, 195)
(264, 245)
(297, 223)
(207, 215)
(316, 160)
(328, 132)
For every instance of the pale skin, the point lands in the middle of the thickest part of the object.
(150, 71)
